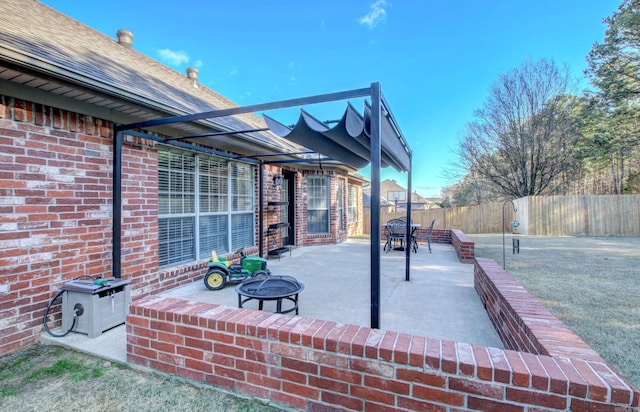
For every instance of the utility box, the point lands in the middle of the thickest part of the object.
(104, 305)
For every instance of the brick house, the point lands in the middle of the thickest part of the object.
(393, 197)
(63, 89)
(397, 195)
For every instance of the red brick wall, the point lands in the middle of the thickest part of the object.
(55, 210)
(437, 236)
(56, 213)
(463, 246)
(318, 365)
(441, 236)
(140, 217)
(524, 324)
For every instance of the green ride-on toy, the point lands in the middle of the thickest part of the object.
(222, 270)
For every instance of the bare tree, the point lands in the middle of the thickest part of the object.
(523, 137)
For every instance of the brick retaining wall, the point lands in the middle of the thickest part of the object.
(524, 324)
(318, 365)
(440, 235)
(463, 246)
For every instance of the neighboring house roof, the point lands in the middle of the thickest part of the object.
(417, 201)
(416, 198)
(366, 200)
(357, 177)
(47, 50)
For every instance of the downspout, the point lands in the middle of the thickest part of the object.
(116, 253)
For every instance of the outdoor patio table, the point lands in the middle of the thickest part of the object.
(414, 243)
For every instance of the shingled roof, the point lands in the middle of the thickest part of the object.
(45, 49)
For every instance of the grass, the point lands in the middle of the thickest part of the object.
(50, 378)
(591, 284)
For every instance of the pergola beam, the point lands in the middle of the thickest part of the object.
(379, 108)
(322, 98)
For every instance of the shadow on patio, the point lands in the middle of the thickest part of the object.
(439, 301)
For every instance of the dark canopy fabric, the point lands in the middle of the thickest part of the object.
(310, 133)
(349, 141)
(359, 128)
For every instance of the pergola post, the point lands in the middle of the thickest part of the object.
(376, 149)
(407, 275)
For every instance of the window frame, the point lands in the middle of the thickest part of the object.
(352, 200)
(232, 205)
(340, 205)
(315, 206)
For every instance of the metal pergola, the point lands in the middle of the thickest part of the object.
(387, 147)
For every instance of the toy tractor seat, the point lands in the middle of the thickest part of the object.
(227, 262)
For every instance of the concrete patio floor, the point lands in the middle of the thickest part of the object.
(439, 301)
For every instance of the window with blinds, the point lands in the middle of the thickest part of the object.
(205, 203)
(317, 204)
(242, 195)
(213, 182)
(176, 240)
(340, 204)
(353, 204)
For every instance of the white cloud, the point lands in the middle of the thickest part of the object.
(198, 64)
(292, 81)
(377, 14)
(293, 65)
(173, 57)
(233, 72)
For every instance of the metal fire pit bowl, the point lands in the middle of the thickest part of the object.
(276, 288)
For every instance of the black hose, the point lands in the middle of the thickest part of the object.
(46, 314)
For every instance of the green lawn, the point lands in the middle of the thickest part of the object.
(592, 284)
(49, 378)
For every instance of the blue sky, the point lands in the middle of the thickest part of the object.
(435, 59)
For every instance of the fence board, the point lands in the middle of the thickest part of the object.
(579, 215)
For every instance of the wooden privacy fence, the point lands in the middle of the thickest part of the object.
(580, 215)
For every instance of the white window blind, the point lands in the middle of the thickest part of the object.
(205, 203)
(317, 204)
(242, 195)
(214, 185)
(340, 202)
(353, 204)
(213, 224)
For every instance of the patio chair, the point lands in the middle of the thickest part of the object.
(428, 235)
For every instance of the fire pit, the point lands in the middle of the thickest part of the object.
(276, 288)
